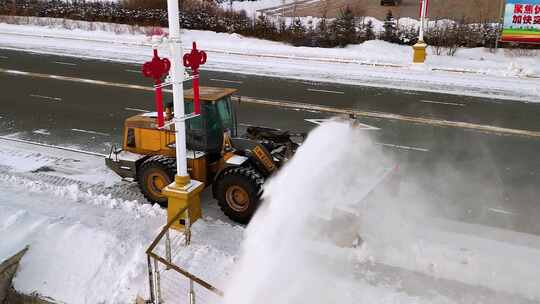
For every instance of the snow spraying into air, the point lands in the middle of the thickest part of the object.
(297, 247)
(321, 237)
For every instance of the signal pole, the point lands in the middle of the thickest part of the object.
(183, 192)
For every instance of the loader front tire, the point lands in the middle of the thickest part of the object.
(238, 191)
(153, 175)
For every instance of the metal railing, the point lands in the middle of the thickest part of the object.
(160, 266)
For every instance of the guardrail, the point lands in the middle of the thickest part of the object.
(159, 265)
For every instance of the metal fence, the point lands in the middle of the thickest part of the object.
(170, 283)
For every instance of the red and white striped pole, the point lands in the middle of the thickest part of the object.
(423, 14)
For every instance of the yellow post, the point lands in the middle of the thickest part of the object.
(419, 52)
(181, 193)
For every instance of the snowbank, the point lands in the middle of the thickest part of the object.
(87, 248)
(475, 72)
(79, 253)
(87, 241)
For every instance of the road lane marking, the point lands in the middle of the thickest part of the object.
(308, 107)
(42, 132)
(51, 99)
(3, 57)
(80, 80)
(91, 132)
(137, 110)
(361, 126)
(444, 103)
(227, 81)
(326, 91)
(65, 63)
(389, 116)
(500, 211)
(51, 146)
(133, 71)
(403, 147)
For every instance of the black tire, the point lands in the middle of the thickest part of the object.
(153, 175)
(235, 184)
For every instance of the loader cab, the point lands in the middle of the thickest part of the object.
(205, 132)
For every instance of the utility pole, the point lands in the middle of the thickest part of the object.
(183, 192)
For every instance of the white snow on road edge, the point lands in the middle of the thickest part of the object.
(90, 248)
(87, 241)
(477, 72)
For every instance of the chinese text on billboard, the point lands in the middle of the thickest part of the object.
(522, 21)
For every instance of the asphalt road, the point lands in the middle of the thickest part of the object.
(484, 178)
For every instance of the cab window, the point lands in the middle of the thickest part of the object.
(193, 123)
(226, 113)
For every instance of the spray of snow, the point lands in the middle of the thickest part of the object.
(295, 249)
(328, 233)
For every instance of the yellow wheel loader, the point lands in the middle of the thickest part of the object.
(236, 166)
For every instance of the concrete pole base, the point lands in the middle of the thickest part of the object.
(181, 196)
(419, 52)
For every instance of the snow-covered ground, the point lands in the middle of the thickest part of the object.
(475, 72)
(88, 231)
(87, 236)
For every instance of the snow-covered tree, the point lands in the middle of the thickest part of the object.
(344, 28)
(390, 28)
(366, 32)
(265, 28)
(323, 33)
(297, 32)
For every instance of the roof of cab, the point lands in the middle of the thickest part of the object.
(210, 93)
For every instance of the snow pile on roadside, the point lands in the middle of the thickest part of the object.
(90, 248)
(298, 248)
(79, 167)
(373, 51)
(475, 72)
(83, 249)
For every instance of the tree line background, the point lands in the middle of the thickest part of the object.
(346, 29)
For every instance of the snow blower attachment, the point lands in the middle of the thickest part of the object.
(236, 166)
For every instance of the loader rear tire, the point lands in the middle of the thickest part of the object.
(238, 191)
(153, 175)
